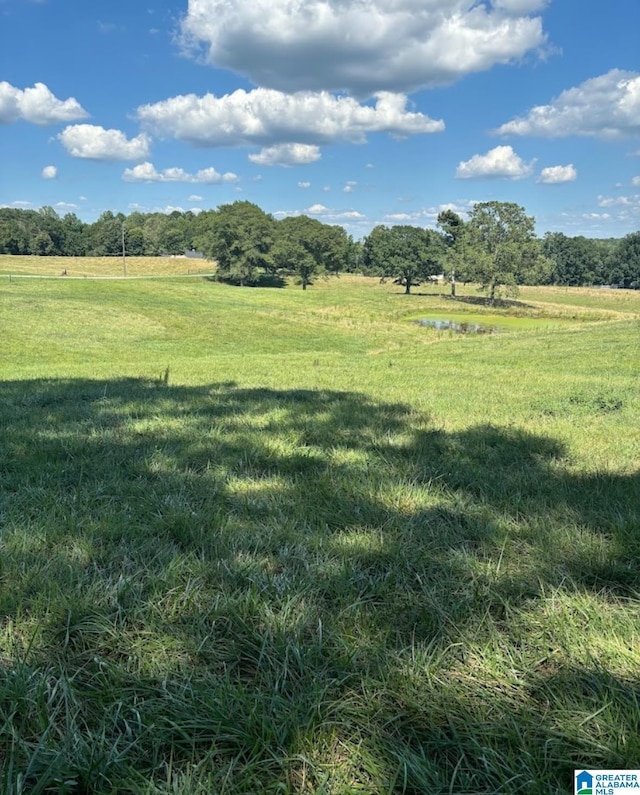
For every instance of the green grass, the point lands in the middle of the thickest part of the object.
(261, 540)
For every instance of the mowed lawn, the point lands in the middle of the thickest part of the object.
(257, 540)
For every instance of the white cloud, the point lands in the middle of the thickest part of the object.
(429, 215)
(18, 203)
(66, 206)
(499, 162)
(607, 106)
(612, 220)
(520, 6)
(146, 172)
(362, 47)
(349, 187)
(317, 209)
(461, 207)
(350, 215)
(109, 27)
(555, 175)
(346, 218)
(335, 216)
(636, 181)
(401, 216)
(304, 184)
(194, 198)
(630, 202)
(95, 143)
(266, 117)
(49, 172)
(286, 155)
(37, 105)
(622, 210)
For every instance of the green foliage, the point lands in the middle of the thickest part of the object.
(355, 256)
(503, 248)
(308, 248)
(452, 227)
(577, 260)
(240, 238)
(625, 262)
(13, 234)
(406, 254)
(134, 241)
(455, 234)
(42, 245)
(106, 235)
(569, 261)
(73, 234)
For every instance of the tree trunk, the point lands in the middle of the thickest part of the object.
(407, 287)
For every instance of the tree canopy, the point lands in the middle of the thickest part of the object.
(454, 233)
(407, 254)
(308, 248)
(625, 271)
(495, 246)
(503, 248)
(240, 239)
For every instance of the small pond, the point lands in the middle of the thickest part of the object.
(457, 327)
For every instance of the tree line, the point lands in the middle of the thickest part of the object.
(495, 246)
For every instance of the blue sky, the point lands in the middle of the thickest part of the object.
(356, 112)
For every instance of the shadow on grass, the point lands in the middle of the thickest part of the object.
(482, 300)
(260, 280)
(253, 590)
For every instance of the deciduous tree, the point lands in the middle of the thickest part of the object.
(308, 248)
(407, 254)
(454, 234)
(626, 262)
(503, 249)
(240, 238)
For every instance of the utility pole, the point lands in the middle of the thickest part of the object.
(124, 255)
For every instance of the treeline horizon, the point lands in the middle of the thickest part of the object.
(285, 245)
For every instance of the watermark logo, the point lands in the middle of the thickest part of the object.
(606, 782)
(584, 783)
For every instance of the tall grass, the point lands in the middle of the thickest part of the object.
(267, 541)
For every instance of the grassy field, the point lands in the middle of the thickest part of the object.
(267, 541)
(106, 267)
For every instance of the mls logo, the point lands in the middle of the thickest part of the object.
(606, 782)
(584, 783)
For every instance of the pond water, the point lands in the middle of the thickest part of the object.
(458, 327)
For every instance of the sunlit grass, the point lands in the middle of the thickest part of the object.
(95, 267)
(263, 540)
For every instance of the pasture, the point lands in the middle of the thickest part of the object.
(257, 540)
(101, 267)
